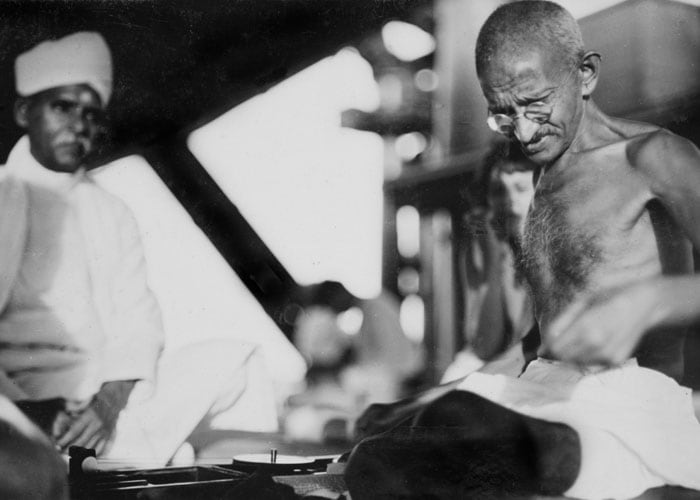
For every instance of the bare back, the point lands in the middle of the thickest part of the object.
(595, 224)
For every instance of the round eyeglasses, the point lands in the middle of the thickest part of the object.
(538, 112)
(505, 124)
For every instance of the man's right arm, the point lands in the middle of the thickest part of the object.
(607, 327)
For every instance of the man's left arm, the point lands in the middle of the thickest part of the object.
(134, 343)
(135, 337)
(607, 328)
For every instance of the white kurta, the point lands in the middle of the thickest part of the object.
(75, 308)
(76, 311)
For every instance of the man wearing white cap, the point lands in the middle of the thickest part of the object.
(80, 331)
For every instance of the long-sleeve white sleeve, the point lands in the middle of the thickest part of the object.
(135, 333)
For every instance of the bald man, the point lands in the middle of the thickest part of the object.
(607, 256)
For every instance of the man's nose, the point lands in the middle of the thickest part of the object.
(79, 123)
(525, 129)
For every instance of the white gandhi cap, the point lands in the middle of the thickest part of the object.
(80, 58)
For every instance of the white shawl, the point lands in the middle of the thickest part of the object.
(127, 309)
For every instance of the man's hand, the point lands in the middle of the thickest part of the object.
(604, 328)
(93, 426)
(86, 429)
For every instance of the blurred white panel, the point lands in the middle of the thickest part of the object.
(408, 231)
(412, 317)
(200, 295)
(410, 145)
(407, 41)
(311, 189)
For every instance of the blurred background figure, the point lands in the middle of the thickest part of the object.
(495, 291)
(357, 354)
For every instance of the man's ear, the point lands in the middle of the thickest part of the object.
(21, 112)
(590, 67)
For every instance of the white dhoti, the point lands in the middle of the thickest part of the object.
(222, 383)
(637, 426)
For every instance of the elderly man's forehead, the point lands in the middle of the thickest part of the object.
(510, 67)
(81, 93)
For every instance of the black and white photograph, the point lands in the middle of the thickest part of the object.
(350, 249)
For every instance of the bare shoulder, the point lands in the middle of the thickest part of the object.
(660, 146)
(666, 159)
(630, 129)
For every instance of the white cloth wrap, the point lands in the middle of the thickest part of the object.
(637, 426)
(131, 336)
(80, 58)
(223, 382)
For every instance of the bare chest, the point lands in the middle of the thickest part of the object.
(589, 227)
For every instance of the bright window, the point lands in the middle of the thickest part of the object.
(311, 189)
(200, 296)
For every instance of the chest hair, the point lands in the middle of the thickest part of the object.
(555, 257)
